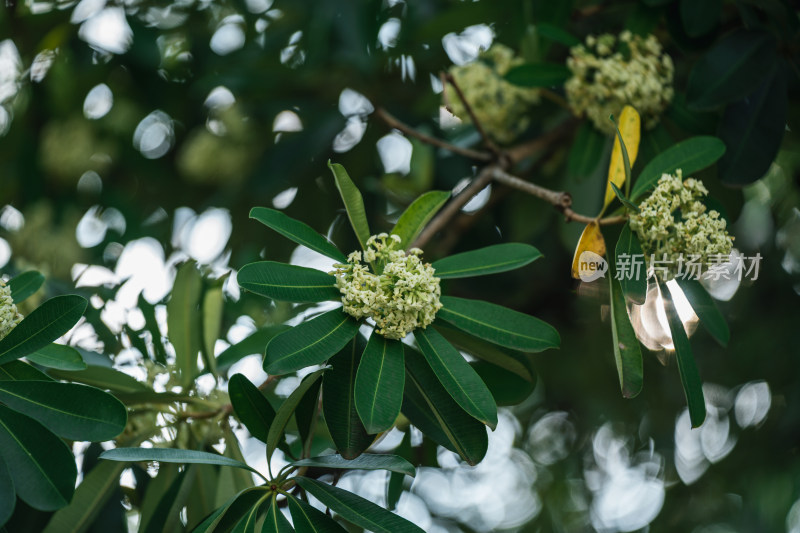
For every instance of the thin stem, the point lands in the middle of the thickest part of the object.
(478, 126)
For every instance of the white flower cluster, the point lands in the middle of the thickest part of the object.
(9, 316)
(404, 297)
(673, 222)
(500, 106)
(609, 73)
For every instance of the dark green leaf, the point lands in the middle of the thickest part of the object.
(248, 522)
(297, 231)
(172, 455)
(226, 517)
(690, 378)
(506, 387)
(19, 370)
(289, 283)
(499, 325)
(731, 70)
(151, 324)
(379, 383)
(183, 321)
(338, 403)
(275, 522)
(306, 414)
(255, 343)
(212, 308)
(538, 75)
(309, 520)
(557, 34)
(417, 215)
(250, 406)
(626, 161)
(40, 464)
(457, 377)
(310, 343)
(586, 152)
(103, 378)
(430, 408)
(621, 197)
(45, 324)
(356, 509)
(58, 356)
(353, 203)
(25, 285)
(690, 155)
(633, 272)
(72, 411)
(202, 495)
(488, 260)
(166, 513)
(8, 496)
(627, 352)
(700, 18)
(705, 309)
(365, 461)
(286, 411)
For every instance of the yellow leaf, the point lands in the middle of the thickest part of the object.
(630, 129)
(591, 241)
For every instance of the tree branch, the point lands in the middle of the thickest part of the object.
(477, 123)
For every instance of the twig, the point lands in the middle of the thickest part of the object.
(393, 122)
(477, 123)
(560, 199)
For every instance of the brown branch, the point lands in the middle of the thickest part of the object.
(478, 126)
(393, 122)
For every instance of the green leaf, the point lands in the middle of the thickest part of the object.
(586, 152)
(103, 378)
(276, 522)
(431, 408)
(233, 450)
(733, 68)
(365, 461)
(251, 407)
(457, 377)
(173, 455)
(634, 133)
(306, 519)
(255, 343)
(488, 260)
(538, 75)
(72, 411)
(286, 410)
(306, 415)
(248, 522)
(379, 383)
(627, 352)
(753, 130)
(212, 310)
(40, 464)
(356, 509)
(513, 361)
(498, 324)
(634, 274)
(506, 387)
(289, 283)
(353, 203)
(690, 378)
(310, 343)
(166, 514)
(25, 285)
(151, 324)
(691, 155)
(202, 495)
(338, 403)
(19, 370)
(8, 496)
(45, 324)
(183, 321)
(58, 356)
(297, 231)
(705, 309)
(417, 215)
(226, 517)
(557, 34)
(700, 18)
(621, 197)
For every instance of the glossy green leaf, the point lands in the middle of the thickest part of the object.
(633, 271)
(418, 214)
(365, 461)
(251, 406)
(691, 155)
(309, 343)
(705, 309)
(338, 402)
(353, 203)
(72, 411)
(255, 343)
(8, 496)
(25, 285)
(103, 378)
(356, 509)
(172, 455)
(538, 75)
(19, 370)
(431, 408)
(248, 522)
(290, 283)
(286, 410)
(306, 415)
(457, 377)
(499, 325)
(627, 352)
(488, 260)
(58, 356)
(753, 130)
(40, 464)
(506, 387)
(307, 519)
(226, 517)
(297, 231)
(733, 68)
(586, 152)
(183, 320)
(379, 383)
(275, 521)
(45, 324)
(690, 377)
(621, 197)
